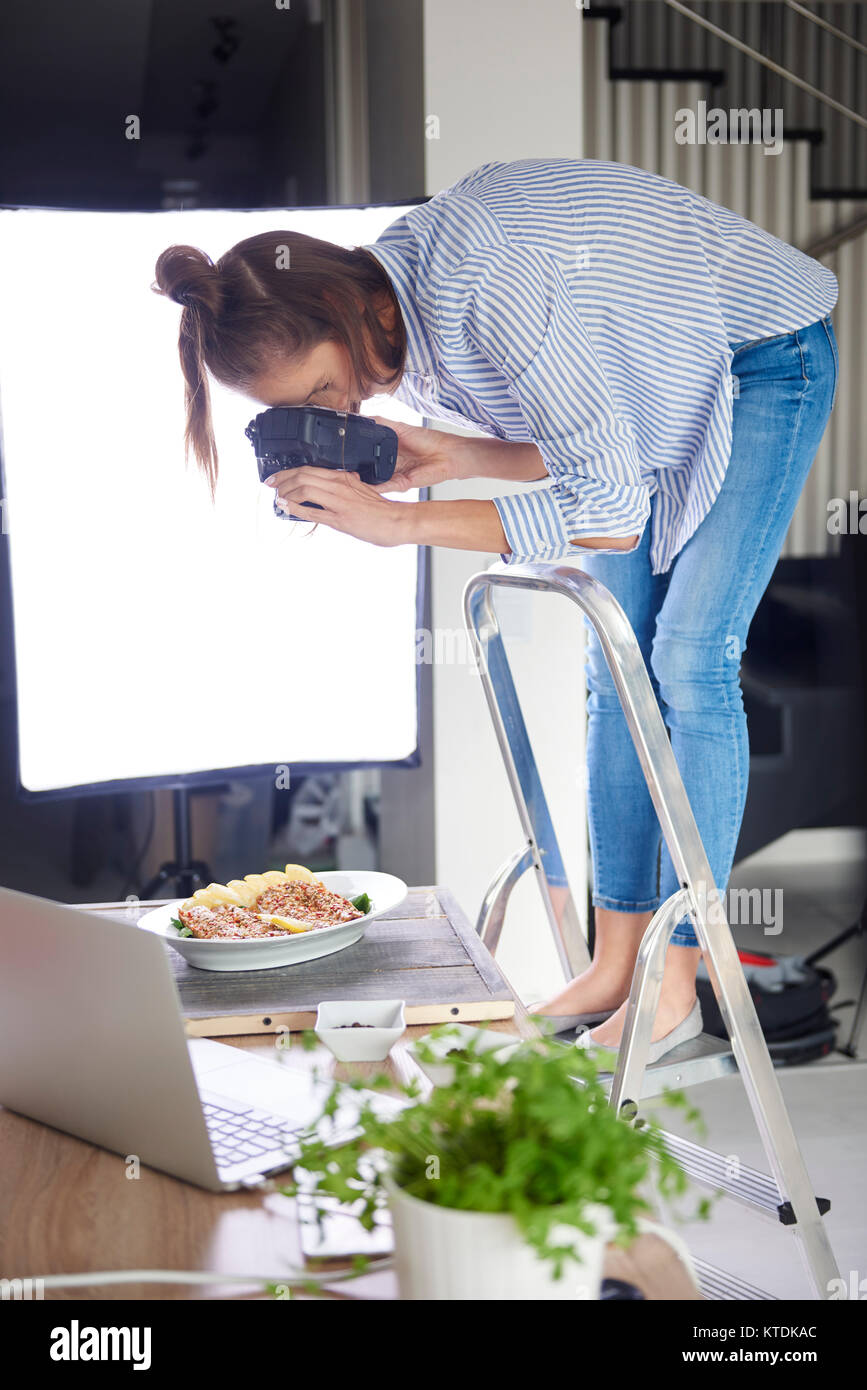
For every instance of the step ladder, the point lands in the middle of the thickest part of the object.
(786, 1196)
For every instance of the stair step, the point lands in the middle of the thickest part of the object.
(719, 1285)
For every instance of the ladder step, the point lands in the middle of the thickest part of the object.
(704, 1058)
(749, 1186)
(719, 1285)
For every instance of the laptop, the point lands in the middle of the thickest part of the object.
(92, 1042)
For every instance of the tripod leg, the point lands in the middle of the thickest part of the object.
(164, 874)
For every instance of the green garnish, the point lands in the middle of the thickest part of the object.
(362, 902)
(180, 928)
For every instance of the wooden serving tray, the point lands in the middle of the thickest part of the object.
(425, 951)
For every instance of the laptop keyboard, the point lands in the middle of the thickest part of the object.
(248, 1136)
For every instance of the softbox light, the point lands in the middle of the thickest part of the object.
(158, 638)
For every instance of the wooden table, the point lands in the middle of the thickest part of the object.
(68, 1207)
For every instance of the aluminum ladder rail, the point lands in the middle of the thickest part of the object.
(697, 894)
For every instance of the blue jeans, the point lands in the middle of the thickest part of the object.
(692, 624)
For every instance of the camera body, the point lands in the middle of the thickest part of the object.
(291, 436)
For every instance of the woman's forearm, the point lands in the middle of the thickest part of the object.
(497, 458)
(473, 524)
(468, 524)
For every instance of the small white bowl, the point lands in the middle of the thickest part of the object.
(442, 1073)
(371, 1044)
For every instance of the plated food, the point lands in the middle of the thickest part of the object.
(263, 905)
(281, 917)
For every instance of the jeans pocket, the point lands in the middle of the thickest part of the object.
(832, 343)
(754, 342)
(805, 375)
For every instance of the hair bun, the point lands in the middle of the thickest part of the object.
(189, 277)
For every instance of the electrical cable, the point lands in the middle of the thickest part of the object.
(185, 1276)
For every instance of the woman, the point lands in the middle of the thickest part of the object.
(666, 368)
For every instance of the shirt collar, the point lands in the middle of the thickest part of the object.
(397, 251)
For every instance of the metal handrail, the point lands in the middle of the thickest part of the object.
(823, 24)
(836, 239)
(767, 62)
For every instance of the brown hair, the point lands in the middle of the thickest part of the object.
(244, 311)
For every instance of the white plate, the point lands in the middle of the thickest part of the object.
(384, 890)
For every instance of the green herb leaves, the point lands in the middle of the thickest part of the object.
(530, 1133)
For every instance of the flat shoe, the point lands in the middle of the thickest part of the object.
(689, 1028)
(567, 1023)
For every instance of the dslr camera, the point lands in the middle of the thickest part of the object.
(291, 436)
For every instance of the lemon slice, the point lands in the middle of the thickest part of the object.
(208, 897)
(257, 881)
(226, 895)
(244, 891)
(297, 873)
(287, 924)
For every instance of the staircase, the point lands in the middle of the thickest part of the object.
(644, 62)
(649, 40)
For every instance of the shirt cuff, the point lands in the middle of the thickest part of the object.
(537, 529)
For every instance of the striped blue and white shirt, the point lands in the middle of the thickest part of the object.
(589, 307)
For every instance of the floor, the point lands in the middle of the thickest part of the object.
(823, 882)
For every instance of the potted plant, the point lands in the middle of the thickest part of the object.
(505, 1183)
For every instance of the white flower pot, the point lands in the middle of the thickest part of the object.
(445, 1254)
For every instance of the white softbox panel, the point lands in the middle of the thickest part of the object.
(158, 635)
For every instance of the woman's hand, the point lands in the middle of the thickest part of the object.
(356, 509)
(348, 504)
(424, 457)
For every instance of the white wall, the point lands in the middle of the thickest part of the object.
(503, 77)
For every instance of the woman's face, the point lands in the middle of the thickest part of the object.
(323, 377)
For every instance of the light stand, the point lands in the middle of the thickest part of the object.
(187, 874)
